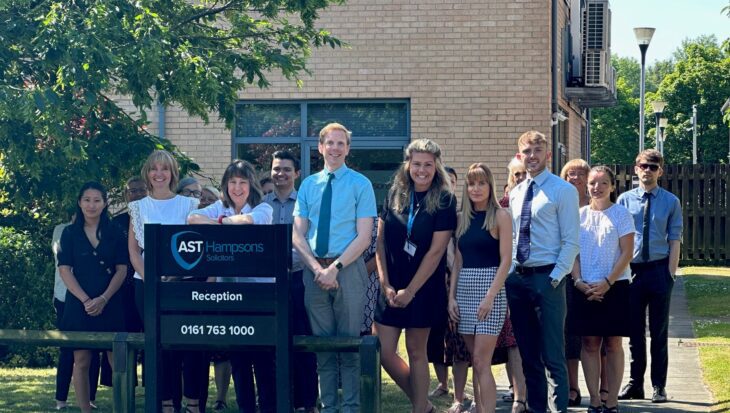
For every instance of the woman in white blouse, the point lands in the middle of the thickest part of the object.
(242, 205)
(162, 206)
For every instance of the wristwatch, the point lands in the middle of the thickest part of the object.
(555, 282)
(338, 265)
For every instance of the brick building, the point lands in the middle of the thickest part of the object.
(470, 74)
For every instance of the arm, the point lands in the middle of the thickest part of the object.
(381, 260)
(72, 284)
(626, 245)
(327, 278)
(453, 306)
(299, 239)
(425, 269)
(578, 282)
(569, 226)
(674, 235)
(97, 304)
(674, 256)
(504, 226)
(135, 252)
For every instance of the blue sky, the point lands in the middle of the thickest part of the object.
(674, 20)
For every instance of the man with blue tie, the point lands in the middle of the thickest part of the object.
(658, 222)
(546, 231)
(333, 219)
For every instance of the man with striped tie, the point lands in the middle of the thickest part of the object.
(333, 220)
(546, 231)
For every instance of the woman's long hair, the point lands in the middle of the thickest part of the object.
(399, 195)
(241, 169)
(104, 220)
(478, 172)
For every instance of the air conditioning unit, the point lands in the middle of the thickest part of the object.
(596, 36)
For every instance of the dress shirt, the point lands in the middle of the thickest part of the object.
(261, 214)
(284, 214)
(554, 225)
(353, 198)
(665, 224)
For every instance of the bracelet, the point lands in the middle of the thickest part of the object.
(220, 219)
(104, 298)
(610, 284)
(575, 282)
(86, 300)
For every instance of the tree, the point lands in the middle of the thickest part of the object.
(614, 130)
(62, 63)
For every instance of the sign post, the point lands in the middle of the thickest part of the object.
(183, 312)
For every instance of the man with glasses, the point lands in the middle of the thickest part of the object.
(658, 221)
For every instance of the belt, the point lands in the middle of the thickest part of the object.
(326, 262)
(650, 264)
(521, 269)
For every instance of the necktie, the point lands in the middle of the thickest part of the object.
(523, 243)
(645, 228)
(325, 213)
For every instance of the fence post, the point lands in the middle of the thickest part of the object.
(123, 375)
(370, 374)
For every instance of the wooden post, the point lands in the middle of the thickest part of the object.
(370, 374)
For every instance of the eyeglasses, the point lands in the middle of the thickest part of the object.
(652, 166)
(194, 194)
(519, 174)
(576, 174)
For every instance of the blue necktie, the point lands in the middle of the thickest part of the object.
(523, 243)
(645, 228)
(323, 226)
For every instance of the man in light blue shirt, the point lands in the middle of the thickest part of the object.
(546, 232)
(658, 222)
(333, 219)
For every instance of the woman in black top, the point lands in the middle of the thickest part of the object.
(416, 224)
(92, 262)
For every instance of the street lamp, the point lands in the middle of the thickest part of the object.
(662, 125)
(643, 37)
(658, 106)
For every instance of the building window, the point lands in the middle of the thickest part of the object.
(380, 131)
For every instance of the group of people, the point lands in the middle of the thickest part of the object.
(500, 290)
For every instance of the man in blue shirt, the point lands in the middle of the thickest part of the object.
(333, 220)
(658, 221)
(546, 231)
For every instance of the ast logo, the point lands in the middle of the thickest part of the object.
(187, 249)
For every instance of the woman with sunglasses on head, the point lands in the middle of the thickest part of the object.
(601, 276)
(92, 261)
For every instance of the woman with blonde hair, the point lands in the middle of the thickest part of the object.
(477, 300)
(516, 174)
(416, 224)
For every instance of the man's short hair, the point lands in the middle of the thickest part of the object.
(650, 155)
(531, 137)
(284, 155)
(135, 179)
(334, 126)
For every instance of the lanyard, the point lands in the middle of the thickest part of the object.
(412, 215)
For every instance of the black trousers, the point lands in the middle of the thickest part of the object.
(244, 365)
(651, 288)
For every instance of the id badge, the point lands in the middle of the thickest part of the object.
(409, 248)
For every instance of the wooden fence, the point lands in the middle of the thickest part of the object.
(703, 192)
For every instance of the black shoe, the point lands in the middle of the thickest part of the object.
(574, 402)
(631, 391)
(659, 396)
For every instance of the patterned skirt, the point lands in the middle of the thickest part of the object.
(471, 288)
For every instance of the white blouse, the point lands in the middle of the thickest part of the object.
(262, 214)
(599, 241)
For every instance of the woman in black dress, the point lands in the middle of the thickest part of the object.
(92, 262)
(416, 224)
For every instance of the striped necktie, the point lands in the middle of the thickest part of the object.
(523, 243)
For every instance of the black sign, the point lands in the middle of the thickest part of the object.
(256, 297)
(218, 331)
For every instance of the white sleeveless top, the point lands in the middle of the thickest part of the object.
(173, 211)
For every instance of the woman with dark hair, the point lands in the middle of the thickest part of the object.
(92, 262)
(242, 205)
(416, 224)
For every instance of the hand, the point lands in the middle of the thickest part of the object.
(485, 307)
(582, 286)
(453, 307)
(95, 306)
(389, 293)
(597, 290)
(403, 298)
(327, 278)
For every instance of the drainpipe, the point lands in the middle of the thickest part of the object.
(161, 115)
(588, 136)
(554, 81)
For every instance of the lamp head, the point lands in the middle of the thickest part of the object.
(658, 106)
(663, 122)
(643, 35)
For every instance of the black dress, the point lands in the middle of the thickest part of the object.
(429, 304)
(94, 269)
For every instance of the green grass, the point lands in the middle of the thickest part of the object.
(708, 290)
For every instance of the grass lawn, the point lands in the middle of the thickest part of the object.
(707, 291)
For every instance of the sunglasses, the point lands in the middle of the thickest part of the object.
(651, 166)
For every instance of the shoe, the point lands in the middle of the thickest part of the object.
(574, 402)
(61, 405)
(219, 406)
(613, 409)
(659, 396)
(602, 392)
(93, 406)
(509, 396)
(631, 391)
(594, 409)
(438, 392)
(519, 406)
(458, 407)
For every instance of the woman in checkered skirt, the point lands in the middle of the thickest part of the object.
(477, 300)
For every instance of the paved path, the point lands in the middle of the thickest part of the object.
(685, 387)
